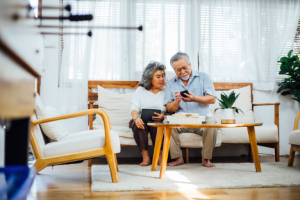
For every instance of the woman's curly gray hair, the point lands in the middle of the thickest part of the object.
(148, 72)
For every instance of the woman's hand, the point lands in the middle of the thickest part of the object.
(139, 123)
(158, 117)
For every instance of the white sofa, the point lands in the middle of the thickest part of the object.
(118, 108)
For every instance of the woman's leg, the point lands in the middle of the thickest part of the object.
(141, 139)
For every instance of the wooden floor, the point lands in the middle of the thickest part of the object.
(73, 181)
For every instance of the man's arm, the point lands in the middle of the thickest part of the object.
(174, 105)
(207, 99)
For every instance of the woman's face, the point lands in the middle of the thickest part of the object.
(158, 79)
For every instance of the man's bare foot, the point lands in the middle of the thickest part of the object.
(178, 161)
(207, 163)
(146, 162)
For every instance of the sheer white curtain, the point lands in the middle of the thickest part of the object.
(241, 41)
(122, 54)
(74, 69)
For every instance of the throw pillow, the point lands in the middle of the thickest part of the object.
(243, 102)
(116, 105)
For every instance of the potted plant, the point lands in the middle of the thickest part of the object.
(290, 66)
(228, 112)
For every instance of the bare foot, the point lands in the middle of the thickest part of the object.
(178, 161)
(146, 162)
(207, 163)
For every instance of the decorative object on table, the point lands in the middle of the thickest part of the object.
(290, 66)
(192, 177)
(186, 118)
(294, 141)
(228, 112)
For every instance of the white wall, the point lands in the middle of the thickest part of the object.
(287, 112)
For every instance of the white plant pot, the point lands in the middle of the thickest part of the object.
(228, 116)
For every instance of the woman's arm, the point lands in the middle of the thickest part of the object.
(138, 121)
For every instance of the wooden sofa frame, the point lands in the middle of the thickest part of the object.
(218, 86)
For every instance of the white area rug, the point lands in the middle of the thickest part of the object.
(194, 176)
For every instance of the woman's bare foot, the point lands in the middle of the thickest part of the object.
(146, 158)
(207, 163)
(146, 162)
(178, 161)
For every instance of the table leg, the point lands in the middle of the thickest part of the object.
(165, 153)
(159, 137)
(253, 144)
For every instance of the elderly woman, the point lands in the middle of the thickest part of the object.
(149, 95)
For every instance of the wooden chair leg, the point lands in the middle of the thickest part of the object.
(116, 162)
(90, 162)
(112, 166)
(291, 157)
(39, 165)
(277, 152)
(187, 158)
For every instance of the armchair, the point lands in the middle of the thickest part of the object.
(76, 146)
(294, 140)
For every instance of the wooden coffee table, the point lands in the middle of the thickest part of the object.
(160, 133)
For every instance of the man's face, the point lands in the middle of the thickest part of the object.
(182, 69)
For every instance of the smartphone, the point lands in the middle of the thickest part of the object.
(183, 93)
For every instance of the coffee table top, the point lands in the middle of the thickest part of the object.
(203, 125)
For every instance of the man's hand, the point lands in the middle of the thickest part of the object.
(158, 117)
(178, 96)
(190, 97)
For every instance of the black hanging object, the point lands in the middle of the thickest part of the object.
(140, 28)
(73, 18)
(90, 34)
(51, 33)
(68, 7)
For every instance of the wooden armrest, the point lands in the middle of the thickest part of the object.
(296, 121)
(276, 111)
(266, 104)
(102, 113)
(91, 102)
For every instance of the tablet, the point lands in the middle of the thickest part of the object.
(148, 113)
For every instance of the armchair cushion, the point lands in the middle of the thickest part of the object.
(81, 141)
(54, 130)
(294, 137)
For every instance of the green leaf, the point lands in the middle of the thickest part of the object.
(222, 106)
(217, 109)
(283, 59)
(290, 53)
(225, 100)
(237, 110)
(285, 93)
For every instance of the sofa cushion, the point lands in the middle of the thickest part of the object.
(116, 105)
(123, 131)
(264, 134)
(192, 140)
(294, 137)
(81, 141)
(39, 138)
(243, 102)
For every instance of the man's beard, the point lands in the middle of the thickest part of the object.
(185, 77)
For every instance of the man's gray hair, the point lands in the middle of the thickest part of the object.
(148, 72)
(178, 56)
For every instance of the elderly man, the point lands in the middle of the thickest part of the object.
(201, 91)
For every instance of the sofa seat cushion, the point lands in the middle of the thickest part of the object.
(294, 137)
(123, 131)
(192, 140)
(131, 142)
(264, 134)
(81, 141)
